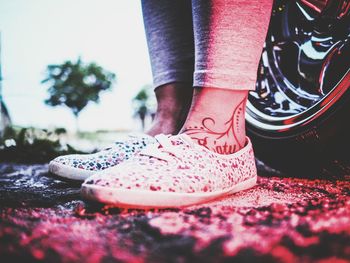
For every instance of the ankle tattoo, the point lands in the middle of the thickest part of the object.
(224, 140)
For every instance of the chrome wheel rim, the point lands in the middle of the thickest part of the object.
(305, 64)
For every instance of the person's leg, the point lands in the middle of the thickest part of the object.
(169, 32)
(229, 36)
(176, 171)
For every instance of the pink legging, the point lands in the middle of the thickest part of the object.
(210, 43)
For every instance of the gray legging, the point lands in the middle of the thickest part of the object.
(210, 43)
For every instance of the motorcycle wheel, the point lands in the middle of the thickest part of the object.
(299, 115)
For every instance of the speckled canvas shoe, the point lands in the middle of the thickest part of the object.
(174, 172)
(81, 166)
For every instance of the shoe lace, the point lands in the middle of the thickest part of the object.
(165, 149)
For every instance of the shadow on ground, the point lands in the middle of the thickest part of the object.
(281, 220)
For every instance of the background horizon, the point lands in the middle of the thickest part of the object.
(37, 33)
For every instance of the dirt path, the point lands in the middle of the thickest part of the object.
(280, 220)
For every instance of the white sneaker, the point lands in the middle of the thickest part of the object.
(81, 166)
(174, 172)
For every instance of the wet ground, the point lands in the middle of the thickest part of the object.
(281, 220)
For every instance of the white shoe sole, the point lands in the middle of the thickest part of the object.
(156, 199)
(69, 172)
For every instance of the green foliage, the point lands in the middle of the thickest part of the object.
(30, 145)
(76, 84)
(144, 103)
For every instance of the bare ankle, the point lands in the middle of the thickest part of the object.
(174, 101)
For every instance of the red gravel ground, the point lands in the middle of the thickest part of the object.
(281, 220)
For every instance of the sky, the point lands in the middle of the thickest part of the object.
(35, 33)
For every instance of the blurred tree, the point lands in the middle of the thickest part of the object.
(76, 84)
(144, 103)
